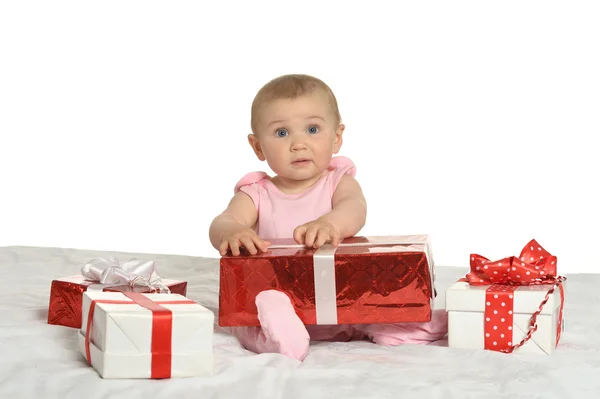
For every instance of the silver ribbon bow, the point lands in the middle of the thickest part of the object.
(109, 273)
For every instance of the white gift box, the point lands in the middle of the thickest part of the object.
(466, 305)
(128, 340)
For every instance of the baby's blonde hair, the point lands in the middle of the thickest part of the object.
(290, 87)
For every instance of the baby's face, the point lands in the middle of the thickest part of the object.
(297, 137)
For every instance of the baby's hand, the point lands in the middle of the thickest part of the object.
(246, 238)
(316, 233)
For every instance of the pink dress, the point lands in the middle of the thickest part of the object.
(281, 330)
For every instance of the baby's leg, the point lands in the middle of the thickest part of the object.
(409, 333)
(280, 330)
(334, 333)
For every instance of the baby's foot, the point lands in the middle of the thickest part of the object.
(410, 333)
(284, 331)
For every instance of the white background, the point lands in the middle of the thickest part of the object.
(123, 123)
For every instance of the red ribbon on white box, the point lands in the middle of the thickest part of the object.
(162, 323)
(534, 266)
(324, 267)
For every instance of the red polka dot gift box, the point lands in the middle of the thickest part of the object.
(509, 305)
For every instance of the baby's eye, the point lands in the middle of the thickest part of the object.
(282, 132)
(313, 129)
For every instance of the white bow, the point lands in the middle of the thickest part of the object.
(109, 272)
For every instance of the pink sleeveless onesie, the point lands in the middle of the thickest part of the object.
(281, 330)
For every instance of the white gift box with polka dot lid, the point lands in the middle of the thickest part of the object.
(492, 307)
(466, 304)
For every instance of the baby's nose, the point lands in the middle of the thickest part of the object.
(298, 144)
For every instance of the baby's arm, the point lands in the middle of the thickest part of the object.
(349, 211)
(233, 228)
(347, 217)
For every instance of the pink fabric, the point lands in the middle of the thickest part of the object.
(280, 213)
(281, 330)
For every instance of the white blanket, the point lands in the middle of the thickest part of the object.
(38, 360)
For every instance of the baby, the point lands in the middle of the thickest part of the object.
(313, 198)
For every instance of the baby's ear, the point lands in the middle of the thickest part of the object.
(338, 140)
(255, 144)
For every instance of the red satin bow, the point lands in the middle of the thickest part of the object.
(534, 265)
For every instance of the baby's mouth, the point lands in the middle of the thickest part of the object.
(301, 162)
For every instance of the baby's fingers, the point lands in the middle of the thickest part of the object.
(310, 236)
(223, 248)
(322, 237)
(335, 238)
(234, 244)
(262, 245)
(299, 233)
(248, 243)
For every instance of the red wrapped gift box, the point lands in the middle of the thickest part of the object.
(66, 297)
(365, 280)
